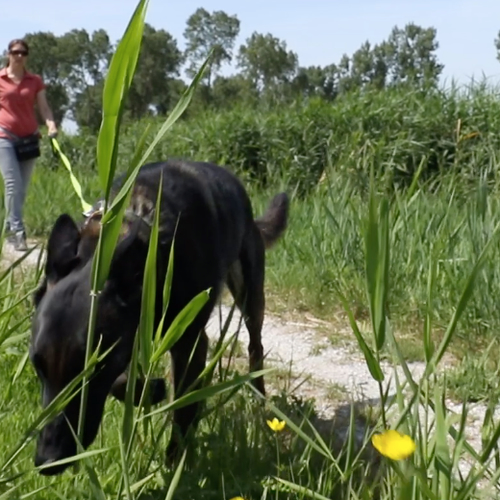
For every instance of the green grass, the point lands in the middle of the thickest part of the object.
(322, 251)
(235, 453)
(322, 254)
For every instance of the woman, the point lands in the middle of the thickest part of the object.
(20, 90)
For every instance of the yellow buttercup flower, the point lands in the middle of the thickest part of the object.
(394, 445)
(276, 425)
(237, 498)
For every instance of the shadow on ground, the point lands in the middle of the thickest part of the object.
(236, 453)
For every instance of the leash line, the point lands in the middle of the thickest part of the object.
(74, 181)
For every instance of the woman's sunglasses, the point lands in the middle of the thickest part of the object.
(19, 52)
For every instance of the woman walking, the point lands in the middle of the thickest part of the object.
(20, 90)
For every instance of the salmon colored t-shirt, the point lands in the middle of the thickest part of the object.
(17, 103)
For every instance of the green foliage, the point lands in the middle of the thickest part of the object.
(207, 32)
(266, 61)
(324, 252)
(316, 81)
(230, 92)
(159, 63)
(400, 131)
(397, 220)
(497, 45)
(410, 53)
(75, 64)
(83, 59)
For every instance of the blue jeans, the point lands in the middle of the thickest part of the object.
(16, 176)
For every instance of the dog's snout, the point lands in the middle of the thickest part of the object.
(40, 460)
(45, 466)
(54, 444)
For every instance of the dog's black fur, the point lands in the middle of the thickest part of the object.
(217, 242)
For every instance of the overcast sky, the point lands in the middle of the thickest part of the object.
(319, 31)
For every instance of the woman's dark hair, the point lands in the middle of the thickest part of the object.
(17, 41)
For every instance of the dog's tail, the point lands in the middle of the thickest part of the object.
(273, 222)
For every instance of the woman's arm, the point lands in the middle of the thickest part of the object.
(46, 112)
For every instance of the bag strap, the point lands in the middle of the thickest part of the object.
(10, 133)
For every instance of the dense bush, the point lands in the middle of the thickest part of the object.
(396, 129)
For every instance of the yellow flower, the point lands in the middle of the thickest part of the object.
(237, 498)
(276, 425)
(393, 444)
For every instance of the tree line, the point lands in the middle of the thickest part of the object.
(268, 73)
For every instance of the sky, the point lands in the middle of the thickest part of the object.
(319, 31)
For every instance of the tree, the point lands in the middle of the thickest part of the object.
(87, 107)
(84, 62)
(231, 91)
(74, 66)
(407, 57)
(70, 64)
(316, 81)
(85, 58)
(266, 61)
(159, 63)
(497, 45)
(345, 72)
(206, 31)
(380, 65)
(411, 57)
(368, 67)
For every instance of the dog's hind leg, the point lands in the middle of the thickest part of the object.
(157, 389)
(245, 280)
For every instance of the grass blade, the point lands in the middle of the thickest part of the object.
(180, 323)
(116, 87)
(177, 476)
(462, 304)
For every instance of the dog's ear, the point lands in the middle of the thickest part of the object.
(62, 249)
(62, 258)
(126, 273)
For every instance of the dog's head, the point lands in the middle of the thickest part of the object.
(61, 321)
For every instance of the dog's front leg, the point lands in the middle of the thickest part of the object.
(157, 389)
(187, 366)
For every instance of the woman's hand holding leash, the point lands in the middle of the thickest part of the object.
(52, 130)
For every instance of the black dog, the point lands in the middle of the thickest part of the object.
(217, 242)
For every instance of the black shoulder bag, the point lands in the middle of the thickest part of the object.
(26, 148)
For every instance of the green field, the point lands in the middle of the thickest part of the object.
(393, 226)
(435, 159)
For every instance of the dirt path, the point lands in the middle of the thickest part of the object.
(334, 375)
(292, 345)
(296, 346)
(341, 368)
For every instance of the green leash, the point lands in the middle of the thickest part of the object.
(76, 185)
